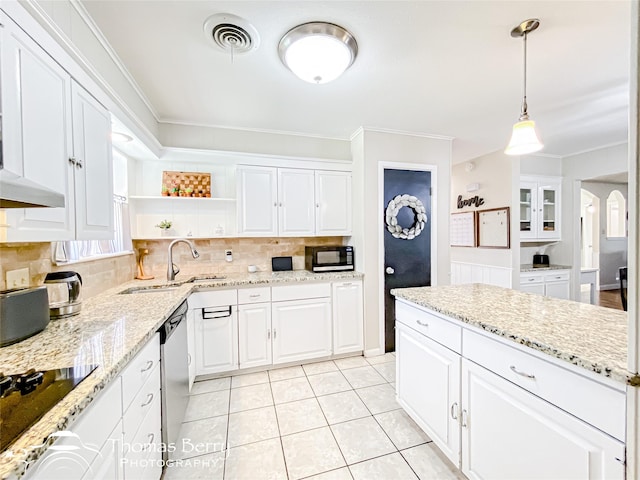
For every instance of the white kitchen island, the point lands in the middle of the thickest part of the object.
(514, 385)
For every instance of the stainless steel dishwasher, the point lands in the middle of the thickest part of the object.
(174, 369)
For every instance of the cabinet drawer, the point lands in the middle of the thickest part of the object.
(213, 298)
(530, 279)
(299, 292)
(430, 325)
(254, 295)
(557, 276)
(142, 403)
(597, 404)
(139, 369)
(142, 458)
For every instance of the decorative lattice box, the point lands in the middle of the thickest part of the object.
(186, 184)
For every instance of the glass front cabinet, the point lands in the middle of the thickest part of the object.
(540, 208)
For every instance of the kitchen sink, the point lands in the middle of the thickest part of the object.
(150, 289)
(206, 278)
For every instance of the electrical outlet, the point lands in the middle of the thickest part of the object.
(18, 278)
(228, 255)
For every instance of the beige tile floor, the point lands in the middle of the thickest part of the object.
(329, 420)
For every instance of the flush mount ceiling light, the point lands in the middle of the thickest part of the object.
(524, 138)
(318, 52)
(231, 34)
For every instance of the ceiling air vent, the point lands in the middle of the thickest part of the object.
(231, 34)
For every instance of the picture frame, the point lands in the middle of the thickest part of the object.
(494, 228)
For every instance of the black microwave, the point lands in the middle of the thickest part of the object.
(329, 259)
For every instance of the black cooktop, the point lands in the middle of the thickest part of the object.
(26, 397)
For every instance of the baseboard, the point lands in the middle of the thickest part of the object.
(611, 286)
(374, 352)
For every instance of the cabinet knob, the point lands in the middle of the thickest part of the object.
(148, 366)
(389, 270)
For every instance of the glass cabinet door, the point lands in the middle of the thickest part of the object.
(525, 209)
(548, 206)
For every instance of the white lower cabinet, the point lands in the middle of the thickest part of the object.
(497, 411)
(508, 432)
(348, 319)
(254, 332)
(301, 329)
(216, 331)
(428, 387)
(550, 283)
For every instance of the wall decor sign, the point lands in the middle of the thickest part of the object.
(463, 229)
(391, 217)
(493, 228)
(470, 202)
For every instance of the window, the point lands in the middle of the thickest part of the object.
(616, 215)
(78, 250)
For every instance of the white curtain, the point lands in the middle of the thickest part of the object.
(75, 250)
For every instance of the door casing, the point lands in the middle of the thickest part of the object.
(382, 166)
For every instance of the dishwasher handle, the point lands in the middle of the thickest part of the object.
(209, 313)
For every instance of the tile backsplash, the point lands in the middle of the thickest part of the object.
(97, 275)
(101, 274)
(246, 251)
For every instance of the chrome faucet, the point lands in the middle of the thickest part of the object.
(172, 269)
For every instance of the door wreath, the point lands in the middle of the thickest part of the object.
(391, 217)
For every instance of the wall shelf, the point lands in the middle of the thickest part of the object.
(181, 199)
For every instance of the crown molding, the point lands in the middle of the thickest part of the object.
(595, 149)
(400, 132)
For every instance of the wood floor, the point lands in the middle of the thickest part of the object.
(609, 299)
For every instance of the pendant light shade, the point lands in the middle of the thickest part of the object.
(524, 137)
(318, 52)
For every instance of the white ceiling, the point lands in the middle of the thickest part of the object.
(434, 67)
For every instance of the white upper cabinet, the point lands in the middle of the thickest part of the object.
(293, 202)
(333, 203)
(57, 135)
(37, 137)
(257, 201)
(540, 208)
(93, 167)
(296, 216)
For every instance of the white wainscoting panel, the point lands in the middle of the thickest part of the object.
(462, 272)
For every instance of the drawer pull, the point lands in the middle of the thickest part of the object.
(149, 400)
(422, 323)
(147, 367)
(151, 438)
(255, 296)
(522, 374)
(274, 333)
(188, 359)
(454, 411)
(532, 279)
(346, 284)
(268, 334)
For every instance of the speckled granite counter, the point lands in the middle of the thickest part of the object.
(109, 331)
(588, 336)
(528, 267)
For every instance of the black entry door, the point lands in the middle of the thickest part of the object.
(407, 261)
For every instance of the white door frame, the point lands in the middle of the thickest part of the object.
(382, 166)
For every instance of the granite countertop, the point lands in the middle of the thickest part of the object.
(591, 337)
(109, 331)
(528, 267)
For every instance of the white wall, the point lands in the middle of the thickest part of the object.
(494, 172)
(369, 149)
(575, 168)
(613, 252)
(236, 140)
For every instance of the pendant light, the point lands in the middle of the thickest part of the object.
(318, 52)
(524, 138)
